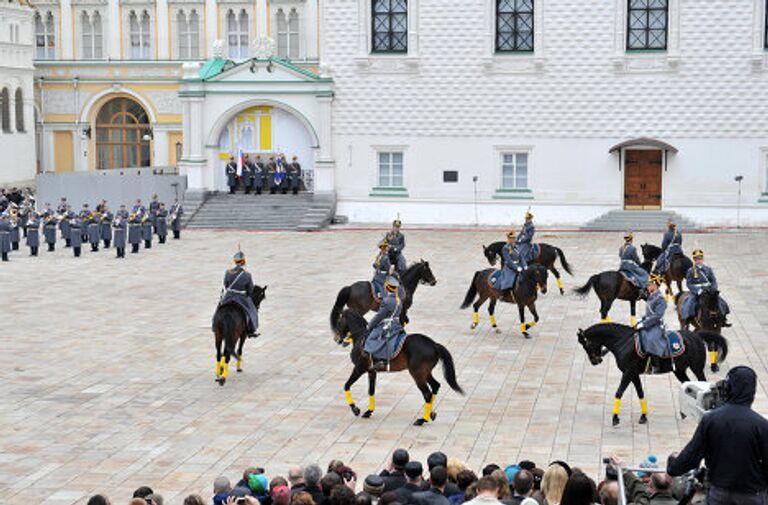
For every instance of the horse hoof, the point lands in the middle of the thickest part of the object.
(419, 422)
(222, 381)
(239, 369)
(433, 415)
(367, 414)
(526, 334)
(562, 291)
(496, 330)
(615, 420)
(643, 419)
(355, 410)
(715, 367)
(682, 415)
(472, 326)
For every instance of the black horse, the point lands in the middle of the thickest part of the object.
(360, 297)
(677, 269)
(419, 355)
(611, 285)
(524, 294)
(548, 254)
(230, 327)
(708, 317)
(600, 339)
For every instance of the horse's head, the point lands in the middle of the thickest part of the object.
(258, 295)
(650, 252)
(594, 349)
(426, 277)
(710, 303)
(490, 255)
(349, 327)
(540, 275)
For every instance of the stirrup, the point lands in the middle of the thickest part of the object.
(381, 365)
(254, 335)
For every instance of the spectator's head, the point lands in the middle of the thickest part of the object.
(296, 476)
(363, 499)
(523, 483)
(489, 469)
(373, 485)
(302, 498)
(553, 483)
(388, 498)
(155, 499)
(413, 472)
(538, 475)
(281, 495)
(400, 458)
(487, 486)
(98, 499)
(438, 477)
(193, 499)
(501, 478)
(465, 478)
(221, 485)
(660, 482)
(342, 495)
(527, 465)
(335, 466)
(329, 481)
(454, 467)
(609, 493)
(580, 490)
(312, 475)
(742, 382)
(277, 482)
(257, 483)
(142, 492)
(436, 459)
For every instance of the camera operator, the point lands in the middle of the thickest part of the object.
(656, 491)
(733, 441)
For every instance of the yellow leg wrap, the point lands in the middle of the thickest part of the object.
(560, 283)
(531, 324)
(427, 411)
(218, 369)
(371, 403)
(493, 320)
(713, 356)
(348, 395)
(225, 371)
(432, 401)
(523, 327)
(616, 406)
(475, 318)
(605, 320)
(633, 321)
(643, 406)
(239, 364)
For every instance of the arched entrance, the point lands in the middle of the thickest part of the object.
(123, 135)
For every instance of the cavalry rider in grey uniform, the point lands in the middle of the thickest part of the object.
(162, 223)
(630, 263)
(75, 234)
(671, 244)
(653, 335)
(5, 235)
(119, 224)
(514, 263)
(385, 326)
(176, 212)
(33, 232)
(105, 225)
(49, 227)
(134, 232)
(154, 206)
(294, 175)
(238, 288)
(381, 266)
(396, 241)
(699, 278)
(523, 242)
(231, 172)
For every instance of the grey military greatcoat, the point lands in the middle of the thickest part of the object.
(5, 235)
(119, 233)
(384, 328)
(630, 265)
(652, 329)
(33, 231)
(238, 289)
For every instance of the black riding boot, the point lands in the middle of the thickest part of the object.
(134, 248)
(33, 251)
(147, 244)
(76, 251)
(51, 247)
(67, 242)
(5, 256)
(162, 239)
(107, 243)
(176, 234)
(15, 246)
(94, 247)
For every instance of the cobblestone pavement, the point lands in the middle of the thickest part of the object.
(107, 366)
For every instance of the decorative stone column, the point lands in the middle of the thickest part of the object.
(325, 166)
(193, 161)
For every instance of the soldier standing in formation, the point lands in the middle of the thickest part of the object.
(154, 206)
(176, 212)
(5, 235)
(75, 235)
(119, 225)
(257, 169)
(32, 227)
(134, 232)
(146, 231)
(231, 172)
(247, 175)
(49, 227)
(15, 238)
(162, 223)
(294, 175)
(94, 231)
(105, 226)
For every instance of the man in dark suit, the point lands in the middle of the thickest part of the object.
(414, 482)
(438, 478)
(394, 477)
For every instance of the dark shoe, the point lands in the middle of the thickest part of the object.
(254, 335)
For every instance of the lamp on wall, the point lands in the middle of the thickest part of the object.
(738, 179)
(149, 135)
(87, 132)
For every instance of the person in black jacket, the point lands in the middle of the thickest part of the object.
(414, 484)
(438, 477)
(394, 477)
(733, 441)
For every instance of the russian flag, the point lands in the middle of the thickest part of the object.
(240, 163)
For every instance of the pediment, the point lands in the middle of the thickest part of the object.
(258, 70)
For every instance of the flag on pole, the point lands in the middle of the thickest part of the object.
(240, 162)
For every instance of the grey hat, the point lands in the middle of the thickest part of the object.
(239, 257)
(374, 485)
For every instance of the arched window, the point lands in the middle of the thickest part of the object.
(19, 110)
(92, 35)
(5, 110)
(45, 36)
(287, 34)
(138, 26)
(189, 35)
(122, 135)
(237, 34)
(293, 35)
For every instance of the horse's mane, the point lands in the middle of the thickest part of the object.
(606, 330)
(355, 321)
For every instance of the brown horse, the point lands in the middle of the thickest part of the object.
(678, 267)
(529, 282)
(419, 355)
(230, 328)
(547, 256)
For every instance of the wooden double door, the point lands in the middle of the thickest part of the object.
(642, 178)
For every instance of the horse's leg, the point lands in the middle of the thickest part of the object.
(421, 383)
(218, 355)
(682, 375)
(523, 327)
(633, 313)
(712, 353)
(240, 353)
(605, 308)
(641, 397)
(625, 380)
(476, 306)
(491, 314)
(357, 372)
(532, 308)
(435, 385)
(557, 277)
(371, 394)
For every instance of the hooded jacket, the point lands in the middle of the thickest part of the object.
(732, 440)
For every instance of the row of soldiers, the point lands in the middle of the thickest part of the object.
(277, 174)
(90, 227)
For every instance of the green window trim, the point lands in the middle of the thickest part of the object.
(389, 192)
(513, 194)
(763, 197)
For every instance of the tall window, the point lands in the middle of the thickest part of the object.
(391, 169)
(92, 35)
(514, 25)
(237, 34)
(45, 36)
(138, 26)
(122, 135)
(189, 35)
(514, 171)
(390, 26)
(19, 110)
(288, 34)
(5, 110)
(647, 24)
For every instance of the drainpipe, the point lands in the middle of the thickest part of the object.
(42, 125)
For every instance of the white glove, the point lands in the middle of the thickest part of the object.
(639, 326)
(519, 269)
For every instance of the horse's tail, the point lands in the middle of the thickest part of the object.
(471, 292)
(224, 329)
(563, 261)
(341, 300)
(449, 371)
(584, 290)
(717, 341)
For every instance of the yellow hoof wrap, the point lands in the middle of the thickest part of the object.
(643, 406)
(475, 318)
(616, 406)
(218, 369)
(606, 320)
(371, 403)
(633, 321)
(493, 320)
(427, 411)
(713, 357)
(348, 395)
(225, 371)
(523, 328)
(531, 324)
(559, 283)
(239, 364)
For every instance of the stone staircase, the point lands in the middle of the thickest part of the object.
(302, 212)
(638, 220)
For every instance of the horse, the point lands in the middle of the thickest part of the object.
(419, 355)
(360, 297)
(611, 285)
(547, 256)
(600, 339)
(231, 328)
(678, 267)
(708, 317)
(525, 292)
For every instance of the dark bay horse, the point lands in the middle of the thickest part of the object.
(611, 285)
(708, 317)
(600, 339)
(678, 267)
(360, 298)
(525, 292)
(548, 254)
(420, 355)
(231, 329)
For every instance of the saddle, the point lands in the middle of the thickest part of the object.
(675, 349)
(494, 277)
(399, 344)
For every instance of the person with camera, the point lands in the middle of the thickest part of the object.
(733, 441)
(657, 490)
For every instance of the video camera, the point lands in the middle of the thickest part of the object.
(698, 398)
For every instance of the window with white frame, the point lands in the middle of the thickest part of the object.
(188, 29)
(390, 169)
(514, 170)
(514, 26)
(287, 34)
(390, 26)
(92, 36)
(647, 22)
(45, 36)
(237, 34)
(139, 35)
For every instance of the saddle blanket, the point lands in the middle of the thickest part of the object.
(493, 281)
(394, 346)
(675, 348)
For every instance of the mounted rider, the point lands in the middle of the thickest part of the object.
(381, 266)
(524, 240)
(630, 263)
(653, 335)
(238, 289)
(385, 327)
(514, 263)
(671, 244)
(699, 278)
(396, 242)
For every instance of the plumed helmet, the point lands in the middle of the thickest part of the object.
(656, 279)
(698, 253)
(671, 225)
(397, 223)
(528, 215)
(392, 283)
(239, 258)
(511, 234)
(628, 236)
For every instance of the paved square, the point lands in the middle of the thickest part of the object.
(107, 366)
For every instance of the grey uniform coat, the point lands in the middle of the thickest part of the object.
(119, 233)
(49, 229)
(247, 174)
(380, 271)
(231, 172)
(94, 232)
(64, 225)
(630, 265)
(396, 243)
(384, 328)
(134, 232)
(33, 232)
(652, 329)
(178, 211)
(513, 265)
(255, 174)
(146, 230)
(154, 206)
(105, 226)
(671, 244)
(75, 232)
(524, 241)
(294, 174)
(15, 236)
(162, 223)
(5, 236)
(238, 289)
(697, 280)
